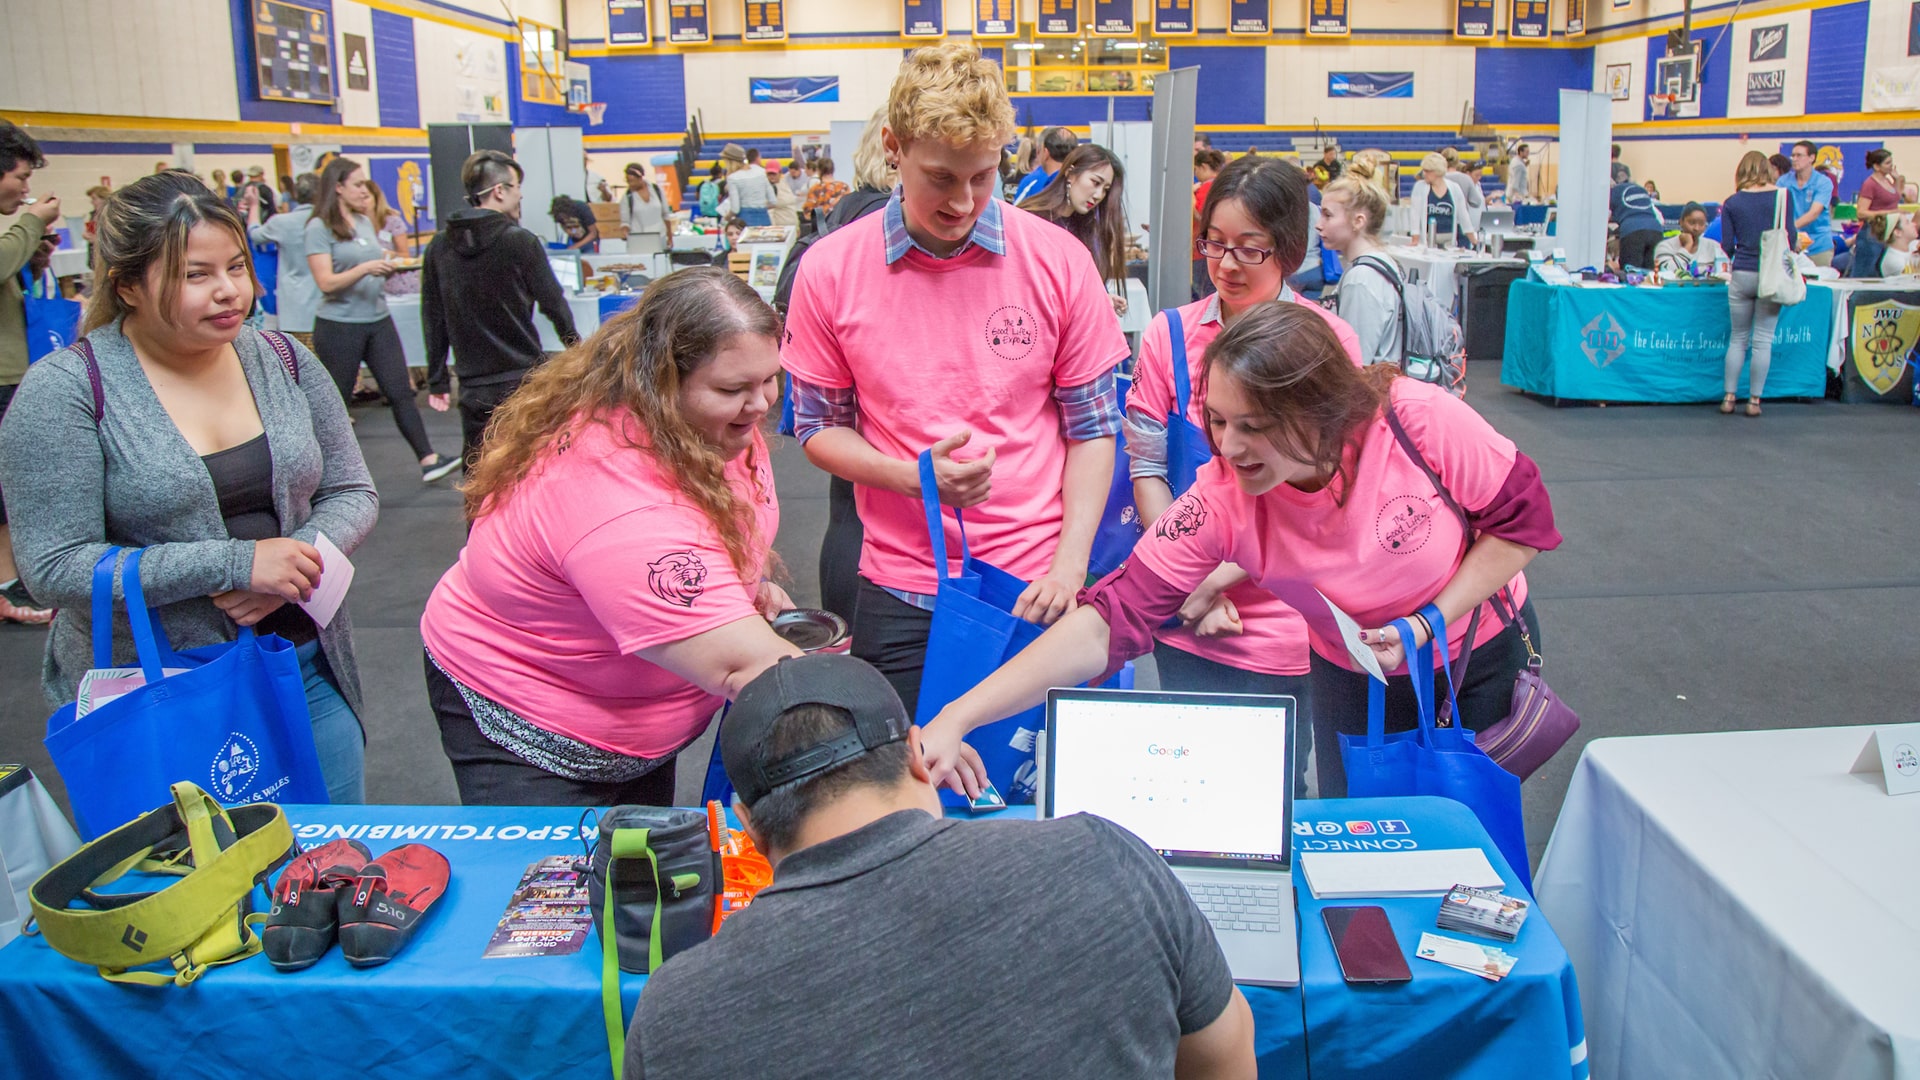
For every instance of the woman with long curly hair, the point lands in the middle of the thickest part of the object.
(614, 589)
(1088, 200)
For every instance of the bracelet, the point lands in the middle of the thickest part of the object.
(1424, 625)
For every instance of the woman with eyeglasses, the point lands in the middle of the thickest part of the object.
(1233, 636)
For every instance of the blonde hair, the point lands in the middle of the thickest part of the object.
(1362, 198)
(1433, 161)
(870, 166)
(1752, 171)
(951, 93)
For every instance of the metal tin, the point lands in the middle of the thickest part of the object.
(813, 631)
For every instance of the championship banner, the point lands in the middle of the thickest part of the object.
(923, 18)
(995, 18)
(1327, 18)
(1113, 18)
(1250, 17)
(1528, 20)
(794, 90)
(627, 23)
(687, 23)
(1173, 18)
(1057, 18)
(766, 21)
(1473, 18)
(1883, 337)
(1576, 18)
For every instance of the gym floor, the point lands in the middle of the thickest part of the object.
(1719, 573)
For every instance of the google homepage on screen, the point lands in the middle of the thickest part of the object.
(1189, 780)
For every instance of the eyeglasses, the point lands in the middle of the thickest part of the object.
(1245, 256)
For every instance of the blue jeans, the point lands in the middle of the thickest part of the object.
(755, 215)
(337, 735)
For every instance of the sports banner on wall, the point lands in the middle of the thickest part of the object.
(794, 90)
(1113, 18)
(1473, 18)
(1173, 18)
(923, 18)
(1057, 18)
(1327, 18)
(766, 21)
(1576, 18)
(1250, 16)
(687, 23)
(1527, 20)
(627, 23)
(995, 18)
(1369, 84)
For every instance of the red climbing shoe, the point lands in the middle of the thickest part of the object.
(302, 924)
(384, 905)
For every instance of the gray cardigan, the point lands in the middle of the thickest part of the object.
(74, 488)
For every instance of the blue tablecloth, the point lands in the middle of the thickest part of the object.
(1651, 345)
(439, 1009)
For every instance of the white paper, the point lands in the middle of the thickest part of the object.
(336, 574)
(1344, 875)
(1490, 962)
(1893, 751)
(1350, 634)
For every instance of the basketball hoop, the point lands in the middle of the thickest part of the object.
(596, 111)
(1658, 104)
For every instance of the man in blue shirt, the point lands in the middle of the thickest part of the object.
(1055, 144)
(1812, 195)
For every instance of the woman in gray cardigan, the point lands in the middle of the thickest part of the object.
(201, 444)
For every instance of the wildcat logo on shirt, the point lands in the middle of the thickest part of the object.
(1011, 332)
(678, 577)
(1404, 525)
(1184, 518)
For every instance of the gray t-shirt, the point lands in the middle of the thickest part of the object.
(923, 947)
(363, 301)
(1371, 305)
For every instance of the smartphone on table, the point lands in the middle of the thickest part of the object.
(1364, 944)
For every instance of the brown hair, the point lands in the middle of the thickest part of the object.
(1752, 171)
(1362, 198)
(146, 224)
(636, 364)
(1274, 194)
(1290, 363)
(1104, 228)
(328, 207)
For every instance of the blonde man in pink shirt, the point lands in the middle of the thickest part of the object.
(1313, 488)
(1233, 637)
(955, 323)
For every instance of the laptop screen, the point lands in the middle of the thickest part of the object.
(566, 269)
(1204, 779)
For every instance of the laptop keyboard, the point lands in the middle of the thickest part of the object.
(1255, 908)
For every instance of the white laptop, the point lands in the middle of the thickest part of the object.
(1206, 780)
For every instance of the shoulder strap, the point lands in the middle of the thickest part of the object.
(1379, 266)
(85, 349)
(1182, 379)
(283, 348)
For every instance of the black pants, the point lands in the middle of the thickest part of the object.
(1636, 249)
(1340, 698)
(343, 347)
(476, 408)
(489, 774)
(840, 551)
(1182, 671)
(891, 634)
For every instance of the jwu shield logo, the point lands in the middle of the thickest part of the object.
(1603, 341)
(1884, 335)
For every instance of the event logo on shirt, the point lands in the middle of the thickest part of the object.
(1603, 340)
(1767, 43)
(1184, 518)
(1011, 332)
(678, 577)
(1404, 525)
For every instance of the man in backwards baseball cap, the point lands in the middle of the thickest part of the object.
(895, 942)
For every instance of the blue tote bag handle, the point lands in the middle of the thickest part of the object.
(1187, 446)
(936, 527)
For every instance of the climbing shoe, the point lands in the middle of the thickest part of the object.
(382, 907)
(305, 914)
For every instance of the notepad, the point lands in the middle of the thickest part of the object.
(1342, 875)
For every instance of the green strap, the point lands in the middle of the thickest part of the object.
(625, 844)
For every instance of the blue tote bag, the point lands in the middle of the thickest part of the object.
(235, 722)
(1187, 449)
(1434, 760)
(53, 321)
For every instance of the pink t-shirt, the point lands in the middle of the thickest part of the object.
(592, 558)
(1274, 636)
(932, 346)
(1388, 551)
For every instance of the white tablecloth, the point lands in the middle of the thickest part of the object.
(69, 262)
(1440, 267)
(406, 319)
(1739, 905)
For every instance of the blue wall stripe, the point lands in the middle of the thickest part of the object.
(1233, 82)
(50, 147)
(395, 77)
(1836, 55)
(645, 94)
(1517, 86)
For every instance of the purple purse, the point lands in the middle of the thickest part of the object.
(1537, 723)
